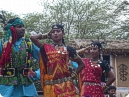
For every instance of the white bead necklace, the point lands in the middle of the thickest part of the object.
(62, 50)
(97, 64)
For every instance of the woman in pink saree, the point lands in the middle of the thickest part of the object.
(90, 77)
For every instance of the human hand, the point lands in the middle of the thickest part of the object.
(104, 87)
(84, 50)
(33, 33)
(49, 35)
(87, 50)
(73, 75)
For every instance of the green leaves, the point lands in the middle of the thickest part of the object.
(82, 18)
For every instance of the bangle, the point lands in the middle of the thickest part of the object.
(105, 87)
(81, 51)
(73, 75)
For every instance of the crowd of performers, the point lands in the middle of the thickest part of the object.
(55, 72)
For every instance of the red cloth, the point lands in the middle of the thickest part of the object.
(7, 49)
(6, 55)
(58, 64)
(14, 34)
(91, 74)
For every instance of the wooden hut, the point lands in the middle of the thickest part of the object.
(117, 53)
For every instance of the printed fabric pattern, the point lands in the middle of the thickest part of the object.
(91, 74)
(16, 72)
(58, 63)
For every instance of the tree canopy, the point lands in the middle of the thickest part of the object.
(82, 18)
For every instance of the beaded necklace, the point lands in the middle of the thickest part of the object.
(61, 48)
(97, 64)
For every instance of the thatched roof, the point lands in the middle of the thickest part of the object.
(111, 46)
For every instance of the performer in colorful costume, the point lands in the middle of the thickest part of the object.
(16, 76)
(90, 77)
(55, 75)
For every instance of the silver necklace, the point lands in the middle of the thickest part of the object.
(62, 50)
(96, 64)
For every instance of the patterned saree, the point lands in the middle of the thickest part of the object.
(90, 79)
(58, 64)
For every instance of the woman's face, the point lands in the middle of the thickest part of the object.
(94, 52)
(57, 35)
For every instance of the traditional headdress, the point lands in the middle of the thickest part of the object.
(9, 39)
(96, 44)
(58, 26)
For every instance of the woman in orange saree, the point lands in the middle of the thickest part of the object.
(56, 78)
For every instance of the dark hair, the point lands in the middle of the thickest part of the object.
(58, 26)
(111, 87)
(97, 43)
(12, 20)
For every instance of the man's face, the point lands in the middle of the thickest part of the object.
(20, 30)
(111, 92)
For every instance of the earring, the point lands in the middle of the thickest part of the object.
(101, 56)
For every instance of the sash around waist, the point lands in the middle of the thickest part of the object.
(91, 83)
(58, 81)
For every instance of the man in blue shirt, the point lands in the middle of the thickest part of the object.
(15, 63)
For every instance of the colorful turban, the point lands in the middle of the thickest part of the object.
(17, 21)
(10, 31)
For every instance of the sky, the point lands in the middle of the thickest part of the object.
(21, 6)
